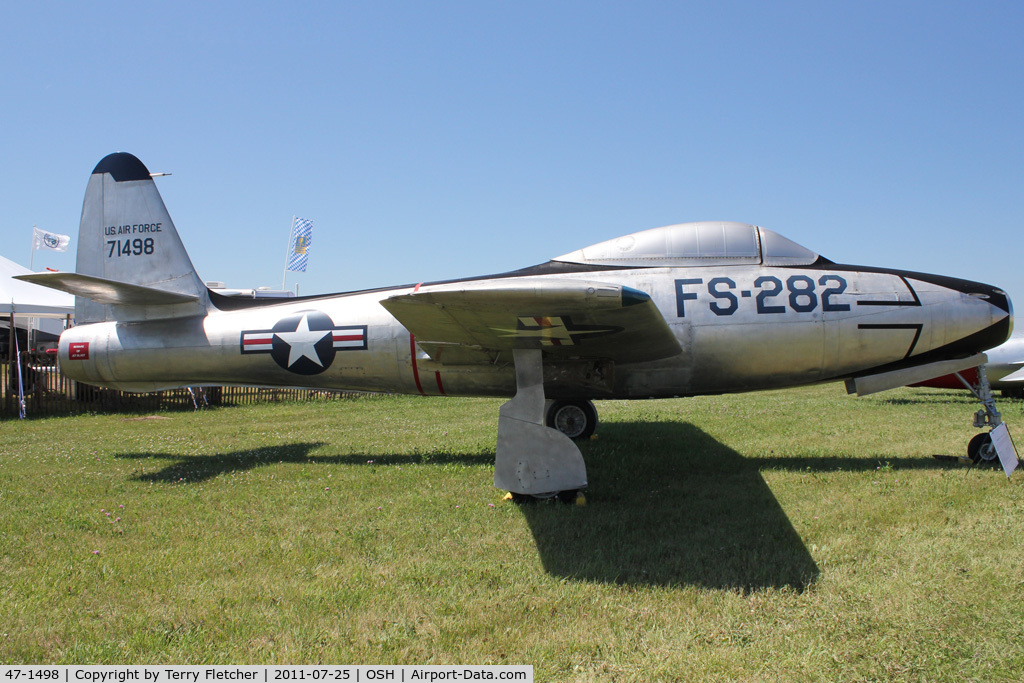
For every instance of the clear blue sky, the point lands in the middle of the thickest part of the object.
(430, 140)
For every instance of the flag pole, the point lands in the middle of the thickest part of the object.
(288, 253)
(17, 364)
(11, 358)
(32, 256)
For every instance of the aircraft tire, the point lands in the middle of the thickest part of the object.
(564, 497)
(522, 498)
(576, 419)
(571, 497)
(981, 451)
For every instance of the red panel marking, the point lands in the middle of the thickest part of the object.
(347, 337)
(78, 350)
(412, 354)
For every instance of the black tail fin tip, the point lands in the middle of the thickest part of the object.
(122, 166)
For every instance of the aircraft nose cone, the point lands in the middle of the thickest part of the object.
(978, 290)
(1002, 311)
(983, 315)
(996, 334)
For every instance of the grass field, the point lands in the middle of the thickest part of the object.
(799, 535)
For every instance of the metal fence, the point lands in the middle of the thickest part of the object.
(47, 392)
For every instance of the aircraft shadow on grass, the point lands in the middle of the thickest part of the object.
(670, 505)
(935, 396)
(947, 396)
(198, 468)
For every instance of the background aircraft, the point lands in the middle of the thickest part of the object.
(681, 310)
(1005, 370)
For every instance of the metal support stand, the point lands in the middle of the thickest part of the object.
(533, 459)
(201, 391)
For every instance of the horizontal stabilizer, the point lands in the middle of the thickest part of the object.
(564, 318)
(104, 291)
(871, 384)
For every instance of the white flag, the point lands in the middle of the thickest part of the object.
(49, 240)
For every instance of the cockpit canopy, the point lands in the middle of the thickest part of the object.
(708, 243)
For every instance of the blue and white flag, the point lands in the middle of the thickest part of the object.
(42, 239)
(302, 237)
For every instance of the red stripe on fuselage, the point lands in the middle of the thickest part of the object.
(412, 354)
(437, 375)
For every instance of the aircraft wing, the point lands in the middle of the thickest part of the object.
(476, 322)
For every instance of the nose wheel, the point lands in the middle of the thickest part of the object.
(981, 450)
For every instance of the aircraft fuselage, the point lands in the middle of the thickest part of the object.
(740, 328)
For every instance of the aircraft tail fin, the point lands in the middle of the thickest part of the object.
(129, 251)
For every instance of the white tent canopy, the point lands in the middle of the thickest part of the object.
(29, 300)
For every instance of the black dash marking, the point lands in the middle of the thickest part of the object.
(915, 302)
(917, 327)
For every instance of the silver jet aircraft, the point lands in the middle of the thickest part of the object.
(681, 310)
(1005, 370)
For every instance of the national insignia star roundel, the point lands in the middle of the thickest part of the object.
(304, 343)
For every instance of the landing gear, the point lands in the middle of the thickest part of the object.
(570, 497)
(981, 449)
(576, 419)
(533, 459)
